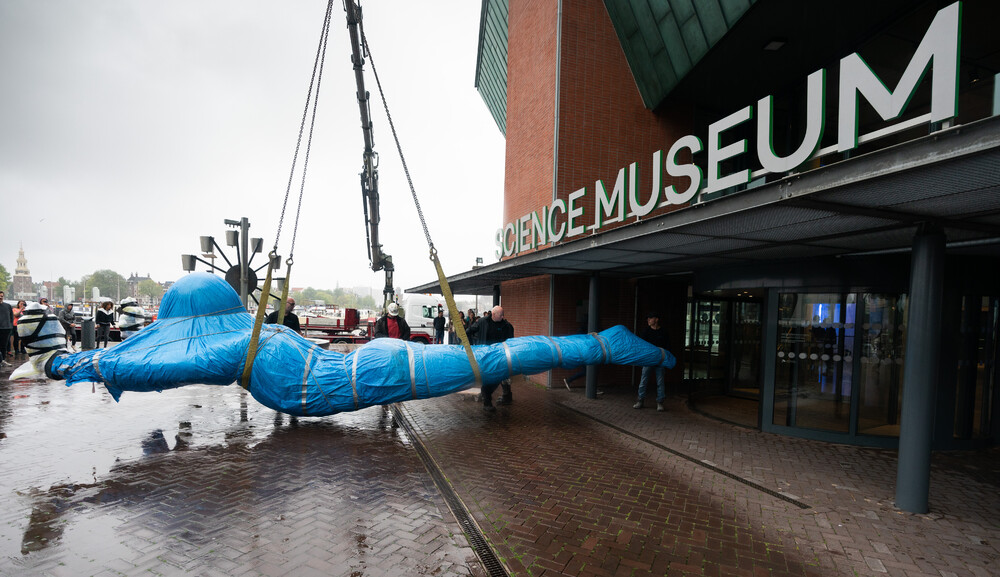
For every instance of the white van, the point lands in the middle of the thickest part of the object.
(420, 310)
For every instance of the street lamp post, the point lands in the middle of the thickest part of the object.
(240, 276)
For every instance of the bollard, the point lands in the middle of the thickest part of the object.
(88, 337)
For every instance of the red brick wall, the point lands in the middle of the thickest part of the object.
(531, 81)
(603, 123)
(526, 305)
(603, 126)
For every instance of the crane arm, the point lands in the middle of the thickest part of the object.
(369, 171)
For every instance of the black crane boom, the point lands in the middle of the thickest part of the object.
(369, 170)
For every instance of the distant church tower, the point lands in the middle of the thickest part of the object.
(22, 288)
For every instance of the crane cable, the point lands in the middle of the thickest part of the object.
(273, 259)
(442, 279)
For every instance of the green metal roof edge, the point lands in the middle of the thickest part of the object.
(491, 60)
(663, 40)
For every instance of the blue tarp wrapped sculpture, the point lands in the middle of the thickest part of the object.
(202, 334)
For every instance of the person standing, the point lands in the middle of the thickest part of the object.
(654, 334)
(391, 325)
(105, 318)
(291, 319)
(68, 320)
(492, 328)
(6, 326)
(15, 339)
(439, 328)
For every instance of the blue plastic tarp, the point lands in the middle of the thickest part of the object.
(202, 335)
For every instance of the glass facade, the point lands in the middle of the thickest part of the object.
(814, 364)
(838, 363)
(977, 366)
(880, 383)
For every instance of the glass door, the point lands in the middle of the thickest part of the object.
(975, 391)
(812, 383)
(707, 351)
(724, 347)
(744, 371)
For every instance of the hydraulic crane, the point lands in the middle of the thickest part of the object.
(369, 171)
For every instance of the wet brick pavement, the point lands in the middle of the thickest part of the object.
(203, 481)
(562, 485)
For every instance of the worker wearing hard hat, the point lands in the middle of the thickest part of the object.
(392, 325)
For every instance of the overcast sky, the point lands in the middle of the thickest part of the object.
(130, 128)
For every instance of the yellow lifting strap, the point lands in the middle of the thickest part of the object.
(456, 317)
(284, 294)
(265, 293)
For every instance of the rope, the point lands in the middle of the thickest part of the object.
(399, 148)
(320, 57)
(316, 80)
(442, 278)
(312, 124)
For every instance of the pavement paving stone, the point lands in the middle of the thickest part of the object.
(92, 486)
(672, 505)
(202, 481)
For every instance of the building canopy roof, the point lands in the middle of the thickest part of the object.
(872, 203)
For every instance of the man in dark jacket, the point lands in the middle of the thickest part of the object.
(290, 320)
(491, 329)
(392, 325)
(439, 328)
(67, 318)
(654, 334)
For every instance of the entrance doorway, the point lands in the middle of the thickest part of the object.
(723, 352)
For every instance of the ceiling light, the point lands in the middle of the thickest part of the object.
(774, 44)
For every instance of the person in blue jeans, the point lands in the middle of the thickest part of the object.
(656, 335)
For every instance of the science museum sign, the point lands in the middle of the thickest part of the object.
(937, 52)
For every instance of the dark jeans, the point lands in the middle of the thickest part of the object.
(487, 391)
(4, 343)
(661, 383)
(438, 337)
(103, 332)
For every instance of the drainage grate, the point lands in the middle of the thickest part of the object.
(476, 539)
(723, 472)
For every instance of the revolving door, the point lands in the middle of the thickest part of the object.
(723, 346)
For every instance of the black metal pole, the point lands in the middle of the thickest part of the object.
(923, 336)
(592, 328)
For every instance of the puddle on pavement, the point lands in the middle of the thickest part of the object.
(81, 469)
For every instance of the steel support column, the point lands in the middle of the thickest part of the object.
(496, 295)
(592, 328)
(923, 335)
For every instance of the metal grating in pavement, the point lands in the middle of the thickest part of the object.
(476, 539)
(699, 462)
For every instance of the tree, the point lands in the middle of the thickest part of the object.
(4, 278)
(151, 289)
(110, 283)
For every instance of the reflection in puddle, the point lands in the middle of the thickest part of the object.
(172, 481)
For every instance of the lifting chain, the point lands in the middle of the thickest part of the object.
(442, 278)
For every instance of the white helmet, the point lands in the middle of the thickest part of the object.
(127, 301)
(392, 309)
